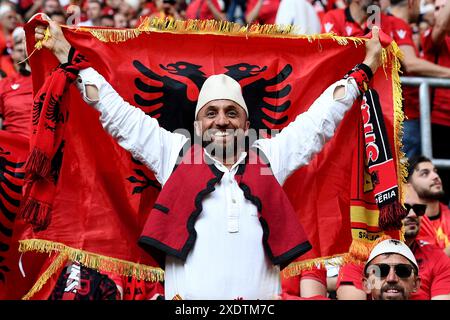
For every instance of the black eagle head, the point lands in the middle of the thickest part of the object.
(182, 68)
(243, 70)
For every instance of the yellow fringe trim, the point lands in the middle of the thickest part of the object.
(93, 260)
(54, 267)
(358, 253)
(209, 27)
(295, 268)
(402, 162)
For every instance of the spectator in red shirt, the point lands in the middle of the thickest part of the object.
(353, 21)
(204, 10)
(434, 265)
(8, 22)
(436, 48)
(310, 284)
(16, 97)
(426, 183)
(261, 11)
(408, 12)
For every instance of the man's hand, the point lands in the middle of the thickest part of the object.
(56, 43)
(373, 50)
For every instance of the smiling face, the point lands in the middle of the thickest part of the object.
(222, 125)
(392, 286)
(426, 181)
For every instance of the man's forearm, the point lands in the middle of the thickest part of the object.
(422, 67)
(442, 26)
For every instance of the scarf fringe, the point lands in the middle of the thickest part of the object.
(56, 265)
(399, 117)
(38, 163)
(391, 216)
(209, 27)
(36, 213)
(359, 250)
(89, 260)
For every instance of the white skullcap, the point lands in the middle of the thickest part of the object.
(392, 246)
(18, 34)
(5, 8)
(220, 87)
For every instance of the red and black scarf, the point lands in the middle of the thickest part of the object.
(46, 142)
(381, 163)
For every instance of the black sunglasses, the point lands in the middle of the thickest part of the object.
(419, 209)
(382, 270)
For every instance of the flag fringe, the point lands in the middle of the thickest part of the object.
(209, 27)
(358, 253)
(295, 268)
(399, 117)
(56, 265)
(93, 260)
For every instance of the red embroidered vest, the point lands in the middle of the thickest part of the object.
(169, 228)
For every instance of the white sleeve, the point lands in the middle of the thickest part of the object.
(285, 13)
(135, 131)
(297, 143)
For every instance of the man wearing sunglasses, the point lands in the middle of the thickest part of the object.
(392, 272)
(433, 264)
(425, 181)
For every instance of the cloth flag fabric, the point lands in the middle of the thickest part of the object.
(13, 282)
(103, 196)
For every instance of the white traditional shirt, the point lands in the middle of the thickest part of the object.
(227, 260)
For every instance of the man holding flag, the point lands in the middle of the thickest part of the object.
(222, 224)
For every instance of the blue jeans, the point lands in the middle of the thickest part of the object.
(232, 8)
(411, 138)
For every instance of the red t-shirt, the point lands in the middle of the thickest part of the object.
(342, 23)
(268, 11)
(16, 103)
(438, 54)
(291, 286)
(436, 230)
(198, 9)
(434, 271)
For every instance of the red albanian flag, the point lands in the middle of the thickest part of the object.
(103, 196)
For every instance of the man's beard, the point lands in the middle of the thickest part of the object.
(430, 195)
(411, 233)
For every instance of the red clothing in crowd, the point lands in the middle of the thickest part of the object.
(198, 9)
(6, 63)
(436, 230)
(16, 102)
(434, 272)
(268, 11)
(342, 23)
(439, 54)
(291, 286)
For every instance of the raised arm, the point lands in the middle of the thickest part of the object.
(135, 131)
(307, 134)
(442, 26)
